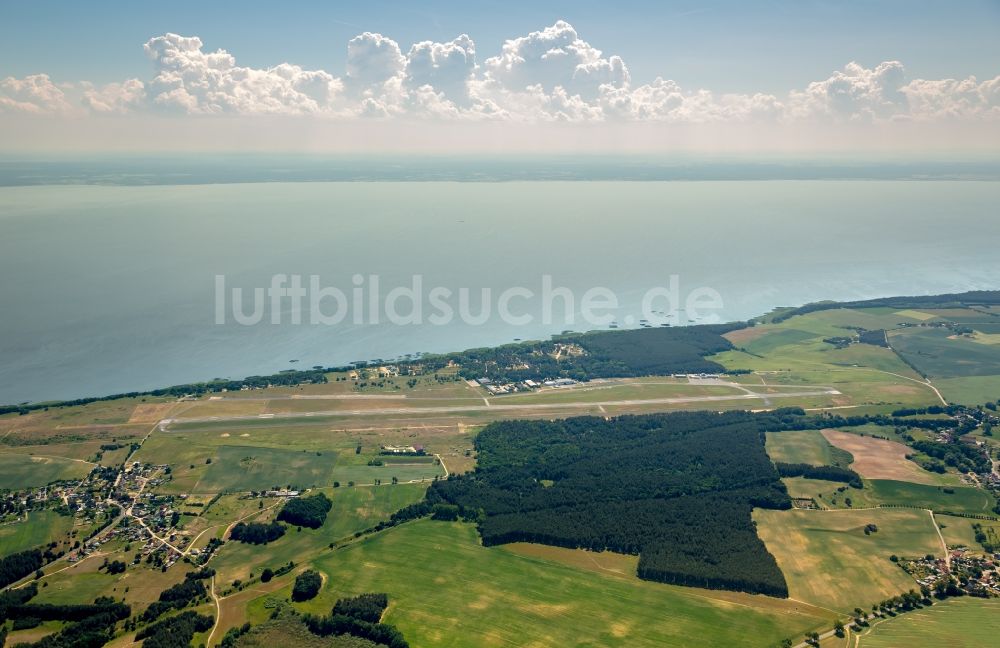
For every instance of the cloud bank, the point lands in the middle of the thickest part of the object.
(550, 75)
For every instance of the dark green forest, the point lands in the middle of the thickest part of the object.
(306, 511)
(608, 354)
(677, 489)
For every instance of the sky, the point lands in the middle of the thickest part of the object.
(440, 76)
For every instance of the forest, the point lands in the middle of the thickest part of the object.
(676, 489)
(257, 532)
(18, 565)
(964, 458)
(176, 631)
(179, 596)
(84, 625)
(607, 354)
(306, 511)
(358, 617)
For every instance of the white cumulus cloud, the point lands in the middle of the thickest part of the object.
(194, 81)
(34, 94)
(549, 75)
(555, 57)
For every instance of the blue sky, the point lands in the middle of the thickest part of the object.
(806, 75)
(725, 46)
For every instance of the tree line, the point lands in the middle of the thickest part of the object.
(829, 473)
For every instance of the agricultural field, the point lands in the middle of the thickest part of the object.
(446, 589)
(806, 446)
(38, 528)
(956, 623)
(243, 468)
(19, 470)
(957, 499)
(826, 494)
(354, 509)
(939, 353)
(830, 562)
(970, 390)
(882, 458)
(958, 532)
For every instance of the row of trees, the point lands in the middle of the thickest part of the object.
(829, 473)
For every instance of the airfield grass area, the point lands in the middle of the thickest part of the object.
(257, 455)
(446, 589)
(828, 560)
(955, 623)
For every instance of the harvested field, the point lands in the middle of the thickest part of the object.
(879, 458)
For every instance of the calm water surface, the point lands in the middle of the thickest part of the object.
(112, 288)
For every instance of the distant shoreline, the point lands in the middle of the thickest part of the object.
(175, 170)
(293, 377)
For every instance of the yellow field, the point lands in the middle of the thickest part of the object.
(879, 458)
(828, 560)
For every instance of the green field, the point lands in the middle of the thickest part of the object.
(20, 470)
(402, 472)
(824, 492)
(828, 560)
(40, 528)
(445, 589)
(807, 446)
(955, 623)
(971, 390)
(958, 532)
(939, 354)
(354, 509)
(963, 499)
(243, 468)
